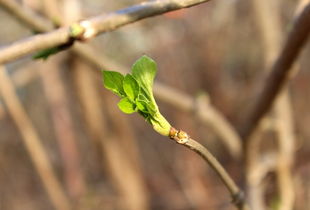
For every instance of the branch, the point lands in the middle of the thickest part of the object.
(183, 138)
(280, 74)
(92, 27)
(268, 19)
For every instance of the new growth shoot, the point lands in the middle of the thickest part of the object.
(136, 93)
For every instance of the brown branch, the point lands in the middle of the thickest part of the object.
(92, 27)
(280, 74)
(237, 195)
(269, 25)
(63, 126)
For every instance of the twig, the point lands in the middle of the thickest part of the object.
(212, 117)
(62, 121)
(286, 138)
(32, 143)
(280, 74)
(269, 25)
(92, 27)
(237, 195)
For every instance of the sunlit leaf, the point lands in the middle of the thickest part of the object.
(144, 71)
(126, 106)
(131, 87)
(114, 81)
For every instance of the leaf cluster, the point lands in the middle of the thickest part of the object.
(135, 91)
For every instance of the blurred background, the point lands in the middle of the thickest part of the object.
(64, 144)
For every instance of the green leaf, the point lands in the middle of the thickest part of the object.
(144, 71)
(141, 97)
(131, 87)
(126, 106)
(142, 106)
(114, 81)
(136, 93)
(44, 54)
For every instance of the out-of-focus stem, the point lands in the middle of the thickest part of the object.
(280, 73)
(32, 143)
(269, 25)
(92, 27)
(64, 129)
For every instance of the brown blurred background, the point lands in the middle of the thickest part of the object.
(103, 159)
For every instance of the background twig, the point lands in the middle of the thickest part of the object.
(280, 73)
(32, 143)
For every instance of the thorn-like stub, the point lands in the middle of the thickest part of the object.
(179, 136)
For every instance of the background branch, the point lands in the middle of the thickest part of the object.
(93, 26)
(280, 73)
(267, 14)
(32, 143)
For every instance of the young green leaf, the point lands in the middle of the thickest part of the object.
(136, 92)
(144, 71)
(141, 97)
(44, 54)
(126, 106)
(131, 87)
(142, 106)
(113, 81)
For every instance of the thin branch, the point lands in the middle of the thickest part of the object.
(267, 15)
(212, 117)
(63, 126)
(32, 143)
(92, 27)
(207, 113)
(237, 195)
(280, 74)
